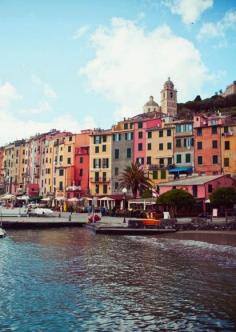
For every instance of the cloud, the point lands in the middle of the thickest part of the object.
(43, 107)
(47, 90)
(189, 10)
(218, 29)
(13, 128)
(131, 64)
(81, 32)
(8, 94)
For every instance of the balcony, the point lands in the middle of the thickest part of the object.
(99, 180)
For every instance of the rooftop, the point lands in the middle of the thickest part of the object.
(192, 180)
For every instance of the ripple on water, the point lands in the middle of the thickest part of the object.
(73, 281)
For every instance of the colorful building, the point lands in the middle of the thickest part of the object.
(201, 187)
(100, 162)
(228, 148)
(183, 148)
(122, 152)
(207, 144)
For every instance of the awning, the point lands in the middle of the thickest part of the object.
(180, 170)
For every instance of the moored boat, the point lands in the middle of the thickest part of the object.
(2, 233)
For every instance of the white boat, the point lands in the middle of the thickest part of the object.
(41, 212)
(2, 232)
(13, 212)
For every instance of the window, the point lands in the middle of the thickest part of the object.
(104, 176)
(140, 134)
(116, 171)
(178, 143)
(149, 146)
(105, 189)
(199, 145)
(70, 138)
(227, 145)
(69, 148)
(96, 176)
(61, 158)
(178, 159)
(161, 146)
(149, 160)
(129, 136)
(140, 125)
(226, 129)
(68, 161)
(61, 172)
(161, 133)
(169, 161)
(169, 146)
(214, 130)
(104, 147)
(60, 185)
(210, 188)
(125, 125)
(81, 172)
(81, 159)
(154, 175)
(226, 162)
(199, 131)
(188, 158)
(163, 174)
(117, 153)
(97, 188)
(96, 163)
(214, 144)
(116, 137)
(116, 185)
(168, 132)
(96, 139)
(149, 134)
(105, 163)
(215, 159)
(162, 162)
(140, 147)
(199, 160)
(128, 153)
(140, 161)
(96, 149)
(104, 138)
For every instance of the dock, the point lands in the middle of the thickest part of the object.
(37, 222)
(111, 230)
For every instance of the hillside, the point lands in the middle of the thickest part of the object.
(218, 102)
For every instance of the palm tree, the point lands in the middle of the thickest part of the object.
(133, 177)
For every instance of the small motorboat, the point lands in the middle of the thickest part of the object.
(13, 212)
(94, 218)
(41, 212)
(2, 233)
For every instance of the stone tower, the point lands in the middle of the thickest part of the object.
(169, 99)
(151, 106)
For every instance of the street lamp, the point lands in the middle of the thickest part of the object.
(124, 191)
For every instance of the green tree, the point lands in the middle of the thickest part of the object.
(224, 197)
(134, 178)
(176, 200)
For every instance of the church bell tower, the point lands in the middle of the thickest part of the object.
(169, 99)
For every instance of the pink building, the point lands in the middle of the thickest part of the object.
(141, 125)
(200, 187)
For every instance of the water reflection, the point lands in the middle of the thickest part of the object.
(67, 280)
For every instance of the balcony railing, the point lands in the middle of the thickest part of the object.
(100, 180)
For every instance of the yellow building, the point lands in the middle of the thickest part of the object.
(100, 162)
(160, 150)
(228, 149)
(64, 148)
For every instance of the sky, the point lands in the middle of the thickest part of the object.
(75, 64)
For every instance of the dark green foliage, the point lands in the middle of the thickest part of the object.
(147, 193)
(134, 178)
(223, 197)
(176, 200)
